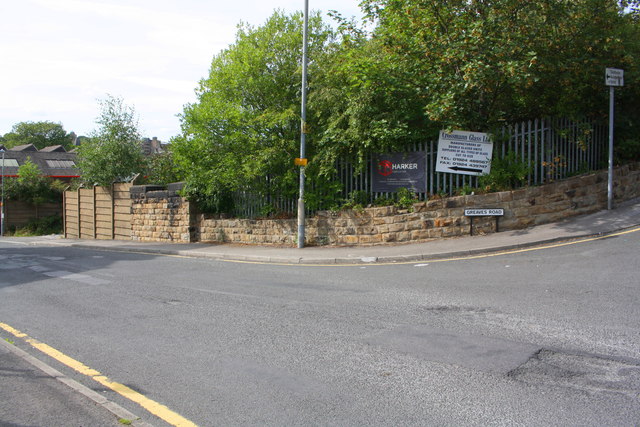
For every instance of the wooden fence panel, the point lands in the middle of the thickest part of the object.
(87, 212)
(122, 211)
(18, 213)
(98, 212)
(71, 219)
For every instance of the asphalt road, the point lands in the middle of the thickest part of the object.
(544, 337)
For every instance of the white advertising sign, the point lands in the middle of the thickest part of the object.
(462, 152)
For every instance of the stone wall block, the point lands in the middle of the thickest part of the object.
(454, 202)
(168, 217)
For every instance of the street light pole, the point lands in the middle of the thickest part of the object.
(303, 127)
(2, 199)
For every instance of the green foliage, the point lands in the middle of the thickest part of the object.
(627, 150)
(219, 202)
(268, 211)
(466, 190)
(244, 130)
(506, 174)
(356, 200)
(476, 63)
(405, 198)
(383, 201)
(31, 186)
(424, 66)
(361, 104)
(325, 191)
(40, 227)
(161, 169)
(40, 134)
(114, 152)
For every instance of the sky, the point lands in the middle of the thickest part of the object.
(58, 58)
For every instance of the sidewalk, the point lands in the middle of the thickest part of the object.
(625, 215)
(34, 394)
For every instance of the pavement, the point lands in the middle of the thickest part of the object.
(33, 393)
(624, 215)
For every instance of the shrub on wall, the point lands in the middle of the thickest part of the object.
(506, 174)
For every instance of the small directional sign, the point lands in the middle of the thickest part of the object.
(462, 152)
(614, 77)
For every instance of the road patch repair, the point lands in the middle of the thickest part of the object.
(477, 352)
(523, 362)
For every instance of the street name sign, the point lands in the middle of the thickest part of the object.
(472, 213)
(614, 77)
(484, 212)
(463, 152)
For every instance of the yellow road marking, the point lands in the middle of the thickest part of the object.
(152, 406)
(373, 264)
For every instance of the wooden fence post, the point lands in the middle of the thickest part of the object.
(113, 213)
(79, 219)
(95, 215)
(64, 213)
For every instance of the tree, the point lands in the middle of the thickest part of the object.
(40, 134)
(244, 129)
(161, 169)
(360, 104)
(114, 152)
(32, 186)
(478, 63)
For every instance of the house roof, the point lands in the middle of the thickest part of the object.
(26, 147)
(53, 148)
(55, 164)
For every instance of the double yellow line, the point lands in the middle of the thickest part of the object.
(152, 406)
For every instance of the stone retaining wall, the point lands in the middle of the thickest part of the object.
(433, 219)
(160, 215)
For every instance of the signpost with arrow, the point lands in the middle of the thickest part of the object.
(613, 77)
(466, 153)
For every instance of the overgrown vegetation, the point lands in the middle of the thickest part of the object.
(38, 227)
(32, 187)
(378, 86)
(506, 173)
(416, 68)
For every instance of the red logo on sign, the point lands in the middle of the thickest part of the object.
(385, 168)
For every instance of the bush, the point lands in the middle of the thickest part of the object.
(627, 150)
(220, 202)
(405, 198)
(357, 200)
(40, 227)
(32, 187)
(506, 174)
